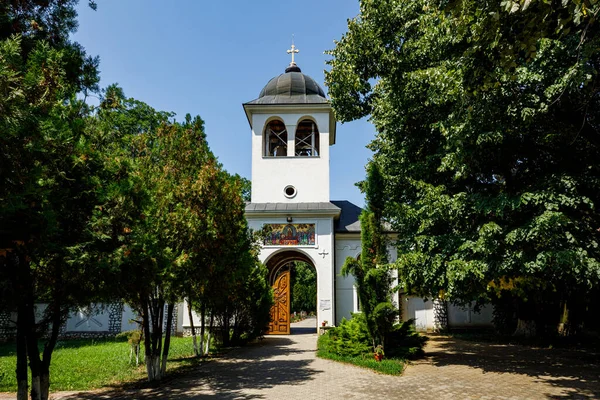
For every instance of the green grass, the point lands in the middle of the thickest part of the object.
(89, 364)
(388, 366)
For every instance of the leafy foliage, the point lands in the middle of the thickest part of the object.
(118, 202)
(351, 341)
(487, 121)
(175, 221)
(304, 288)
(47, 178)
(246, 186)
(351, 337)
(371, 271)
(252, 304)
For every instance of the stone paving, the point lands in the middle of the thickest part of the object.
(285, 367)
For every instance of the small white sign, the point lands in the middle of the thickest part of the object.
(325, 304)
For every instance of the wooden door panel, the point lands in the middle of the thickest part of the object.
(280, 312)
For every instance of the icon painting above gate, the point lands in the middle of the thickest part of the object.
(290, 235)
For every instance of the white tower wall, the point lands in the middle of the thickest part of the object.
(309, 175)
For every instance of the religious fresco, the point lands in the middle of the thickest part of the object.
(290, 234)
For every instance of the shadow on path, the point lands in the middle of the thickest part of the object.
(576, 372)
(303, 330)
(259, 366)
(270, 347)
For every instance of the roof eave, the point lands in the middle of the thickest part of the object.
(248, 112)
(283, 213)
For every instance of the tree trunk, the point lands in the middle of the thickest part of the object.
(193, 328)
(525, 328)
(35, 387)
(165, 354)
(210, 328)
(32, 347)
(154, 312)
(45, 384)
(147, 340)
(235, 335)
(57, 320)
(24, 324)
(527, 311)
(564, 323)
(153, 367)
(22, 383)
(202, 326)
(225, 329)
(159, 325)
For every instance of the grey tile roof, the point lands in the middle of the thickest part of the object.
(348, 221)
(292, 87)
(275, 207)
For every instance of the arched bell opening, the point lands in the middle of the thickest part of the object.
(293, 277)
(307, 139)
(275, 139)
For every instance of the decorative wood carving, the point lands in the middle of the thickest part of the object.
(280, 312)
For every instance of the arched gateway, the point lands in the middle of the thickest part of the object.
(280, 265)
(292, 129)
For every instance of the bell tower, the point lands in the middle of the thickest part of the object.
(292, 128)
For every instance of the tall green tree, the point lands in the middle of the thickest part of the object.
(371, 271)
(236, 294)
(172, 221)
(46, 178)
(487, 139)
(146, 221)
(246, 185)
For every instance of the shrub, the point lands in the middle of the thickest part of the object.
(392, 366)
(132, 337)
(404, 341)
(351, 339)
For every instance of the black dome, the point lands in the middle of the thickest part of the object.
(291, 87)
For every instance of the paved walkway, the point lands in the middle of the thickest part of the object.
(285, 367)
(477, 370)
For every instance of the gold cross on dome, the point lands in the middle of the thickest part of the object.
(292, 51)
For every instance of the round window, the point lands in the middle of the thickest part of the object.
(289, 191)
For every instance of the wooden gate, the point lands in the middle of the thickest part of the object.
(280, 312)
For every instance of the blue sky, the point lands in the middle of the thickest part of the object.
(208, 57)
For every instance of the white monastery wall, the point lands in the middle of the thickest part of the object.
(420, 310)
(88, 320)
(309, 175)
(346, 295)
(127, 319)
(94, 320)
(466, 317)
(185, 318)
(345, 291)
(458, 317)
